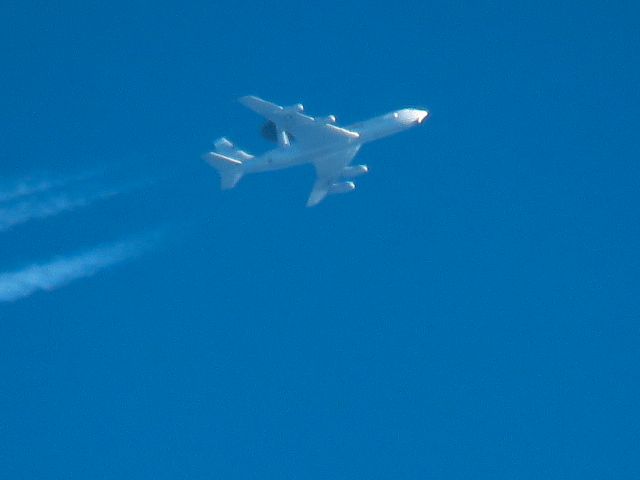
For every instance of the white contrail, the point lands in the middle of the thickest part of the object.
(63, 270)
(37, 208)
(36, 184)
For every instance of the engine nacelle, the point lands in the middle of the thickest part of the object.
(298, 107)
(354, 171)
(328, 119)
(342, 187)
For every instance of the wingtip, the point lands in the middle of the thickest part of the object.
(316, 197)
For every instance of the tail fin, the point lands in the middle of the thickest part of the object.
(230, 170)
(227, 160)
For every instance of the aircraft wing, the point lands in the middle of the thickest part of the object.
(328, 171)
(305, 129)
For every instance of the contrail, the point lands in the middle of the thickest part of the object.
(36, 184)
(38, 208)
(63, 270)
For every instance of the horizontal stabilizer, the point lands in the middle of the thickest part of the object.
(223, 144)
(228, 149)
(214, 158)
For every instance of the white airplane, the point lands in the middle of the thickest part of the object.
(303, 139)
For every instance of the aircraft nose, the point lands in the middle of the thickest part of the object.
(421, 116)
(411, 116)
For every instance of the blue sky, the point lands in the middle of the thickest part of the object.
(471, 311)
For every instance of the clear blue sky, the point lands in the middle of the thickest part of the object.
(471, 311)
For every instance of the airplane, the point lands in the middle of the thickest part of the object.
(303, 139)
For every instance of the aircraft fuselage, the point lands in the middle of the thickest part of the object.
(368, 131)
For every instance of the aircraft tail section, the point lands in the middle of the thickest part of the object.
(227, 160)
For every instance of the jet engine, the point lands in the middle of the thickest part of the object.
(328, 119)
(298, 107)
(354, 171)
(342, 187)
